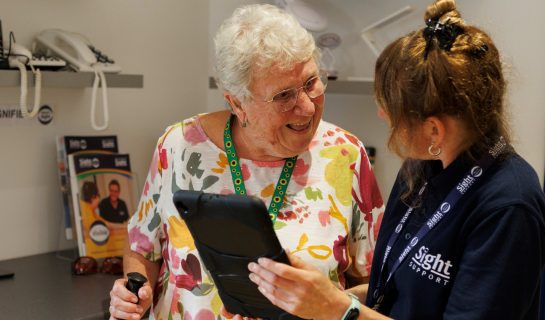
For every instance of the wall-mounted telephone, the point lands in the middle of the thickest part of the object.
(81, 56)
(76, 49)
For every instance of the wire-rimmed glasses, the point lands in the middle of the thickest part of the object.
(314, 87)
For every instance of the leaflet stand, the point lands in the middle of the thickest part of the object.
(65, 254)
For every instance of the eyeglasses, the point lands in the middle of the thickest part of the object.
(88, 265)
(314, 87)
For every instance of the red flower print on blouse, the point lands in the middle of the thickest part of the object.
(164, 251)
(351, 138)
(368, 188)
(174, 302)
(376, 227)
(193, 276)
(324, 218)
(245, 172)
(369, 257)
(174, 257)
(144, 246)
(300, 172)
(160, 284)
(194, 134)
(340, 141)
(162, 153)
(301, 167)
(163, 157)
(340, 253)
(286, 215)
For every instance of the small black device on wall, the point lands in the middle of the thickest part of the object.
(3, 59)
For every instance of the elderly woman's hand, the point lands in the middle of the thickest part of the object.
(300, 289)
(123, 302)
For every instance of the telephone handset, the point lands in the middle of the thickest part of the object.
(76, 50)
(18, 53)
(19, 57)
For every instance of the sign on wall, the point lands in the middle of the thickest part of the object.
(10, 115)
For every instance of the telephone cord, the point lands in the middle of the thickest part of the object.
(37, 89)
(99, 78)
(24, 91)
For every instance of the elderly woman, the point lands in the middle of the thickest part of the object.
(267, 65)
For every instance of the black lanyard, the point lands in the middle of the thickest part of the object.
(445, 208)
(238, 181)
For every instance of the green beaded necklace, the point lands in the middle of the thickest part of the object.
(238, 181)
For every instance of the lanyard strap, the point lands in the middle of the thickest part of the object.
(444, 209)
(238, 181)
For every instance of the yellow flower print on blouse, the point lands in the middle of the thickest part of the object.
(268, 191)
(144, 209)
(338, 172)
(222, 163)
(320, 252)
(179, 234)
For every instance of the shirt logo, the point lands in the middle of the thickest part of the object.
(476, 171)
(431, 266)
(467, 182)
(498, 147)
(445, 207)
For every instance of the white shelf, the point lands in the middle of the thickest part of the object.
(343, 86)
(67, 79)
(360, 86)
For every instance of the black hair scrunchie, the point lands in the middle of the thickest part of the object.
(445, 33)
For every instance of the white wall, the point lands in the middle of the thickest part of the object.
(517, 28)
(165, 40)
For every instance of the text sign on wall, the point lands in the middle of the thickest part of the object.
(11, 115)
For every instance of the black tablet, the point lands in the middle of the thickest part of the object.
(229, 232)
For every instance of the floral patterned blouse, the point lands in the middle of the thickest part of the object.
(330, 216)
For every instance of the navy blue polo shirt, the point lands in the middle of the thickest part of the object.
(483, 261)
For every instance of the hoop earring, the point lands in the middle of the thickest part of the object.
(436, 153)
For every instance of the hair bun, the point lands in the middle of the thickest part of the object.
(442, 10)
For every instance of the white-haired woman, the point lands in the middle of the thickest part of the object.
(267, 66)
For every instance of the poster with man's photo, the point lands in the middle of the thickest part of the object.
(104, 194)
(67, 145)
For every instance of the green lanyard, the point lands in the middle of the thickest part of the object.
(238, 181)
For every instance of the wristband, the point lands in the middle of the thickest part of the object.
(353, 310)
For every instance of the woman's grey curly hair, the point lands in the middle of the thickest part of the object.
(255, 38)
